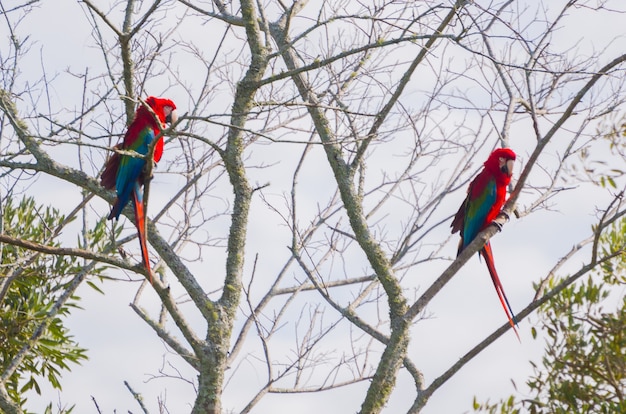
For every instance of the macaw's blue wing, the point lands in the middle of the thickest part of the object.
(480, 201)
(129, 171)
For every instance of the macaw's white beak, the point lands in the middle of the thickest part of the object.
(509, 167)
(171, 116)
(506, 166)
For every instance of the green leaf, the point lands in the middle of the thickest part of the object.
(29, 301)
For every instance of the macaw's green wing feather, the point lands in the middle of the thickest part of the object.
(488, 256)
(480, 202)
(141, 140)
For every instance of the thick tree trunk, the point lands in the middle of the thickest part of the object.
(6, 404)
(210, 383)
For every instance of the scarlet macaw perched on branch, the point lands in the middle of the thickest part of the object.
(485, 198)
(126, 173)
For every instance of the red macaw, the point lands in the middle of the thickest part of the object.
(125, 173)
(485, 198)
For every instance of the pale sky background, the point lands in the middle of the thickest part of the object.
(121, 347)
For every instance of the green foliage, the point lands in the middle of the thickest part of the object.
(616, 128)
(584, 366)
(30, 284)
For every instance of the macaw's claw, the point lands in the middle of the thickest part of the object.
(498, 225)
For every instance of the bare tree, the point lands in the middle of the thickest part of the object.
(305, 197)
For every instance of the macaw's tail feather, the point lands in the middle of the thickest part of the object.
(488, 256)
(141, 227)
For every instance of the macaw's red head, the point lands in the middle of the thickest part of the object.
(500, 162)
(164, 108)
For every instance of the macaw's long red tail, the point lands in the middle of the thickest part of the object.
(141, 226)
(488, 256)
